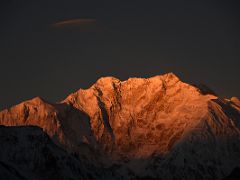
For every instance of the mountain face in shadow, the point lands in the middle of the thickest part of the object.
(155, 128)
(28, 153)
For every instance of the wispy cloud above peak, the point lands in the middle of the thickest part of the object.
(82, 24)
(75, 22)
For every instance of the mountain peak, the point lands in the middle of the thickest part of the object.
(169, 78)
(106, 81)
(37, 100)
(170, 75)
(109, 80)
(142, 118)
(120, 112)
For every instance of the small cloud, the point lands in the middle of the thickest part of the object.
(82, 24)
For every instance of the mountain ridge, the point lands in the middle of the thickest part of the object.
(141, 118)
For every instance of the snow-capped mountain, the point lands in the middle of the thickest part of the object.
(158, 127)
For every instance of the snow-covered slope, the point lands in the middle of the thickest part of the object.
(28, 153)
(158, 127)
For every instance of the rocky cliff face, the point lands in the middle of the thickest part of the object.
(163, 123)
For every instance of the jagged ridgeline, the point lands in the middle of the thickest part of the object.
(158, 127)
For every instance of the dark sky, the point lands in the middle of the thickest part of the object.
(50, 48)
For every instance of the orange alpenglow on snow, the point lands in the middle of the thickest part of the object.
(140, 118)
(136, 117)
